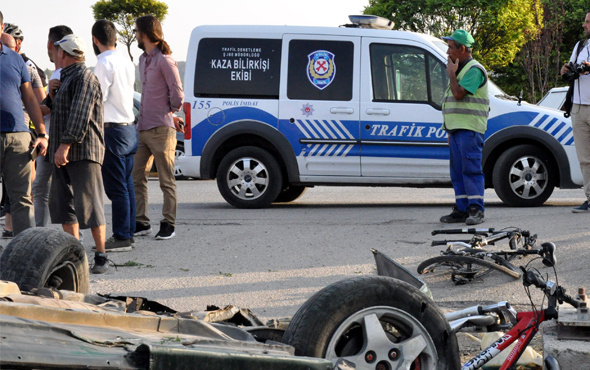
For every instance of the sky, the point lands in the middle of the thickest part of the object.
(35, 17)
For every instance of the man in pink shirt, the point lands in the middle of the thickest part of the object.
(162, 95)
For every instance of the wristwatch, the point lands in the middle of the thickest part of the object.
(42, 135)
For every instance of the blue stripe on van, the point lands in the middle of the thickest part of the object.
(349, 130)
(565, 134)
(557, 129)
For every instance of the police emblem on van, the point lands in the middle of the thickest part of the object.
(307, 110)
(321, 68)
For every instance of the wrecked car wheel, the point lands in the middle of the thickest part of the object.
(45, 258)
(374, 322)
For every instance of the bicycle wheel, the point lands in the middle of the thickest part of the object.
(506, 262)
(464, 266)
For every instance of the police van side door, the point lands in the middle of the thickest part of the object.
(319, 104)
(401, 113)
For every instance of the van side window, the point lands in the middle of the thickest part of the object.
(320, 70)
(406, 74)
(238, 68)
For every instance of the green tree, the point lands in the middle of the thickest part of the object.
(500, 27)
(536, 68)
(125, 12)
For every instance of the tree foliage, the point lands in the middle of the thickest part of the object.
(500, 27)
(125, 12)
(537, 66)
(524, 42)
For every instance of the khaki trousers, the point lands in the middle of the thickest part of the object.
(16, 167)
(155, 145)
(581, 129)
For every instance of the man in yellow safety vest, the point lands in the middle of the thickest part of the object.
(465, 111)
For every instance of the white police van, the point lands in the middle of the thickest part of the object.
(271, 110)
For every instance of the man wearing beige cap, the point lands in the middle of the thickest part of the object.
(77, 148)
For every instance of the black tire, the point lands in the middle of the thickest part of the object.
(290, 194)
(249, 177)
(463, 265)
(179, 152)
(524, 176)
(45, 258)
(391, 314)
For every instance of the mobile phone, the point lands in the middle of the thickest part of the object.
(34, 152)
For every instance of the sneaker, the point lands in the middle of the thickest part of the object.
(166, 231)
(142, 229)
(581, 209)
(454, 217)
(101, 263)
(6, 234)
(117, 245)
(475, 216)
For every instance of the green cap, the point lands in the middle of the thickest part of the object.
(462, 37)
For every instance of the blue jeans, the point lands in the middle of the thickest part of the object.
(466, 172)
(121, 145)
(40, 189)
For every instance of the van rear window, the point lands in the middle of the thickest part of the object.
(237, 67)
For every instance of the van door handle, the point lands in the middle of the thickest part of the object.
(341, 110)
(378, 112)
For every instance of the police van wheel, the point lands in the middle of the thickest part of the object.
(374, 322)
(249, 177)
(290, 194)
(524, 176)
(45, 258)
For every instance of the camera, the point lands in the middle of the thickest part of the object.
(575, 70)
(582, 68)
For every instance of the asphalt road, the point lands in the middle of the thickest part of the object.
(271, 260)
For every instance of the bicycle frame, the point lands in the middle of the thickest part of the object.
(521, 326)
(461, 255)
(527, 326)
(481, 237)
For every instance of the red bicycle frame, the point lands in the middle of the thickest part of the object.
(523, 331)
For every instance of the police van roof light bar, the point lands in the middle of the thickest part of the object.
(371, 21)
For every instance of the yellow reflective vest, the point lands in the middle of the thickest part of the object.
(471, 112)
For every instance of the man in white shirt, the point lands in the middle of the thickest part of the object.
(116, 75)
(581, 110)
